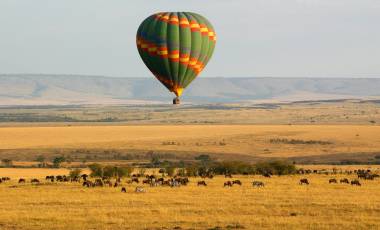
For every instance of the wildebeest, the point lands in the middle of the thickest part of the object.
(345, 180)
(123, 189)
(21, 180)
(1, 181)
(88, 183)
(258, 184)
(134, 179)
(202, 183)
(237, 182)
(174, 183)
(99, 182)
(228, 184)
(333, 180)
(84, 176)
(355, 182)
(5, 178)
(304, 181)
(181, 180)
(34, 180)
(139, 189)
(146, 181)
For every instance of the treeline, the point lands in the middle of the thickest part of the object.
(239, 167)
(98, 170)
(199, 169)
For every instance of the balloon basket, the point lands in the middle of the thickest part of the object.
(176, 101)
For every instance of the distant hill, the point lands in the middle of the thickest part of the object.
(29, 89)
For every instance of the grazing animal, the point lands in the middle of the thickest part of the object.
(202, 183)
(84, 176)
(99, 182)
(5, 178)
(355, 182)
(345, 180)
(123, 189)
(258, 184)
(21, 180)
(59, 178)
(304, 181)
(34, 181)
(228, 184)
(1, 181)
(139, 189)
(333, 180)
(237, 182)
(174, 183)
(116, 185)
(147, 181)
(134, 179)
(88, 184)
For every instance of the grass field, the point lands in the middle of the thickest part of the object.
(281, 204)
(256, 141)
(347, 112)
(305, 133)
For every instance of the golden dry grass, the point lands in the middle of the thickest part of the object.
(70, 206)
(253, 140)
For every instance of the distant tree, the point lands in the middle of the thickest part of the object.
(155, 160)
(7, 162)
(75, 173)
(192, 170)
(96, 170)
(58, 161)
(181, 172)
(170, 170)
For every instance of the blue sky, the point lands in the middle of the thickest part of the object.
(284, 38)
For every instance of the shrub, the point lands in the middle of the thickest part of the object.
(275, 168)
(98, 170)
(58, 161)
(170, 170)
(75, 173)
(181, 172)
(191, 170)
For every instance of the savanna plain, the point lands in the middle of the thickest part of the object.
(333, 138)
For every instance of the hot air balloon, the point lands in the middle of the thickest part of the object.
(176, 47)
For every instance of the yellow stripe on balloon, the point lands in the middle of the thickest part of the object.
(174, 56)
(162, 52)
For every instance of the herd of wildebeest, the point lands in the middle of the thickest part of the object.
(177, 181)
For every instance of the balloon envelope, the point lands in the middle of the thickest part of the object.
(176, 46)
